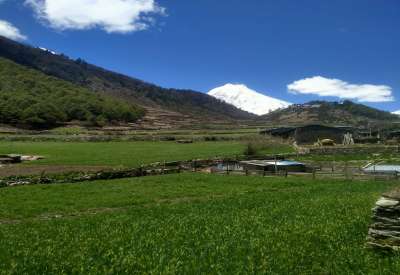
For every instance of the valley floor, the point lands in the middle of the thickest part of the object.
(186, 223)
(115, 154)
(191, 223)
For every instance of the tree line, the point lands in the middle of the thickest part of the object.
(33, 99)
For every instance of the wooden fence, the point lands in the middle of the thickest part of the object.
(342, 172)
(231, 167)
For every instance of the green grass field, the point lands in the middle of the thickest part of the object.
(119, 153)
(126, 153)
(191, 224)
(176, 133)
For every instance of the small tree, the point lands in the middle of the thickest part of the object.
(251, 149)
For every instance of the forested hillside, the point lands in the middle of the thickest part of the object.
(346, 112)
(32, 99)
(197, 105)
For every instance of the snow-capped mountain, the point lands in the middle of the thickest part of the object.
(396, 113)
(46, 50)
(246, 99)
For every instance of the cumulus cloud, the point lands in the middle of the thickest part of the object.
(322, 86)
(113, 16)
(8, 30)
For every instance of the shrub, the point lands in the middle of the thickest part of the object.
(251, 149)
(262, 145)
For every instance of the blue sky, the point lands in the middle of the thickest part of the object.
(202, 44)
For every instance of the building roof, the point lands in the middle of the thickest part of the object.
(382, 168)
(264, 163)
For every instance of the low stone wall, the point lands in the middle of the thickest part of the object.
(116, 137)
(158, 168)
(73, 177)
(384, 233)
(354, 150)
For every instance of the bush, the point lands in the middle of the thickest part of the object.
(251, 149)
(210, 138)
(262, 146)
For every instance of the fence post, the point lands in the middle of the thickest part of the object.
(163, 169)
(140, 171)
(42, 174)
(314, 173)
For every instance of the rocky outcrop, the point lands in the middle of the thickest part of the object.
(9, 159)
(384, 233)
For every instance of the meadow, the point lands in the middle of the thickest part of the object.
(119, 153)
(186, 223)
(127, 154)
(191, 223)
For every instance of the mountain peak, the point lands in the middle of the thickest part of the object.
(246, 99)
(396, 112)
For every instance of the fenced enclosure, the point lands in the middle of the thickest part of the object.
(315, 170)
(235, 166)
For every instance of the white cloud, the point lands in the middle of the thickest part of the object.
(120, 16)
(8, 30)
(322, 86)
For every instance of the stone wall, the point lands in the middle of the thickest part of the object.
(354, 150)
(72, 177)
(158, 168)
(384, 233)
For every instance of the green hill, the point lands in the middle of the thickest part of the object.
(161, 103)
(32, 99)
(346, 112)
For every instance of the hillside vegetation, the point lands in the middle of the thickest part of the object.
(187, 102)
(346, 112)
(32, 99)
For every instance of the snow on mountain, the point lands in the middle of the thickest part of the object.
(246, 99)
(396, 113)
(46, 50)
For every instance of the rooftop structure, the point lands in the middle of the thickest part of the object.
(382, 169)
(274, 165)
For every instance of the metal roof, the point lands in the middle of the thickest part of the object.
(272, 162)
(382, 168)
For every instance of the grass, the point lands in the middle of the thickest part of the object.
(119, 153)
(191, 224)
(128, 154)
(203, 132)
